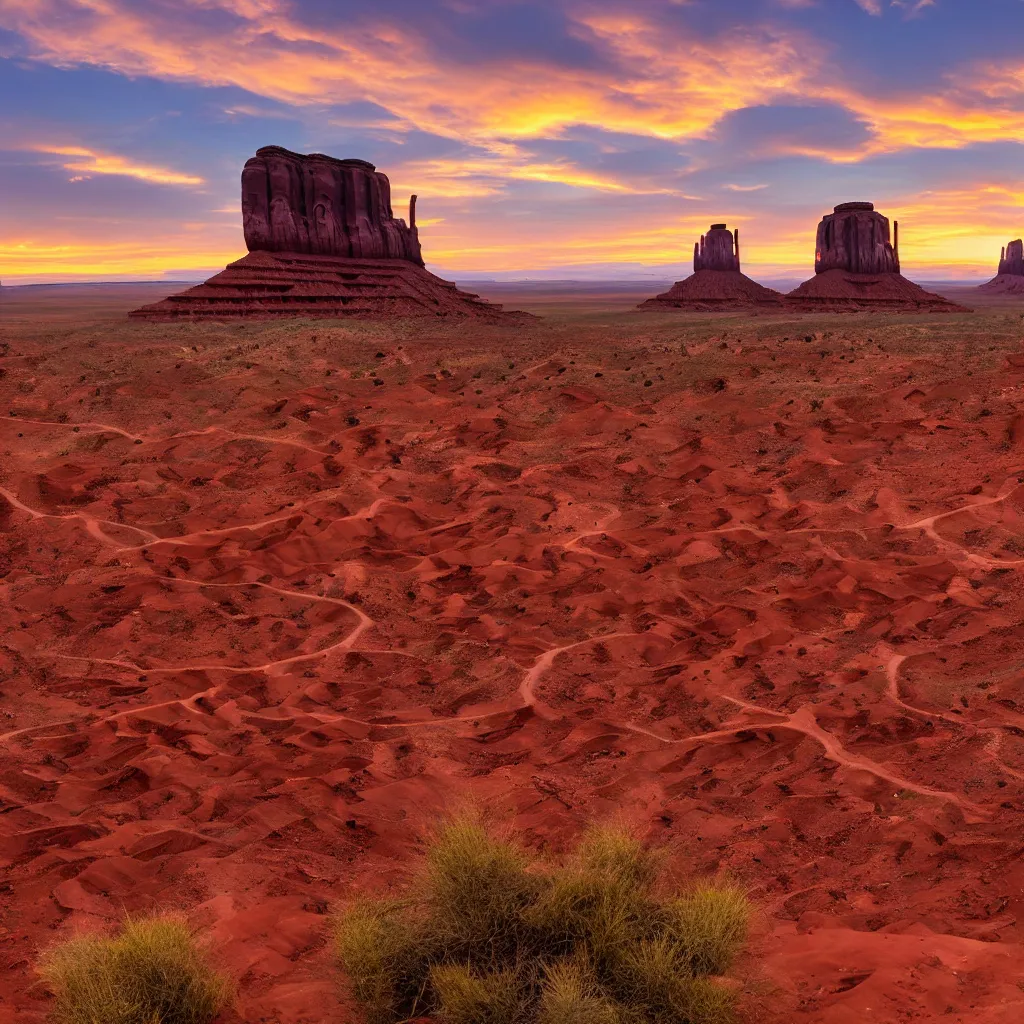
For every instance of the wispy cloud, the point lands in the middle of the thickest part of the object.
(611, 131)
(912, 8)
(88, 162)
(635, 81)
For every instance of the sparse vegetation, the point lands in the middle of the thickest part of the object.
(486, 935)
(152, 972)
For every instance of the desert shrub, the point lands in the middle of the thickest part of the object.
(600, 901)
(486, 935)
(152, 972)
(571, 995)
(467, 997)
(476, 889)
(386, 957)
(710, 923)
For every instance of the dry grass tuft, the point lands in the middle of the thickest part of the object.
(710, 923)
(571, 995)
(487, 936)
(153, 972)
(386, 958)
(466, 997)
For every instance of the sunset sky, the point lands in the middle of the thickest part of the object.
(556, 138)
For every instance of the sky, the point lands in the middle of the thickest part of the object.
(545, 138)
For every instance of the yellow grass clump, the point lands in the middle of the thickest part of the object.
(151, 972)
(488, 936)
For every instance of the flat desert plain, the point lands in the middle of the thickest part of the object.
(273, 595)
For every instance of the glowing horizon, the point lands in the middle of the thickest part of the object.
(585, 134)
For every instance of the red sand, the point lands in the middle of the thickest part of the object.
(270, 595)
(840, 289)
(714, 289)
(1004, 284)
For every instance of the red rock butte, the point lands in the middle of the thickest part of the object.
(857, 266)
(1010, 278)
(323, 242)
(716, 282)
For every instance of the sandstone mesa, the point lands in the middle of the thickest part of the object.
(716, 282)
(323, 242)
(856, 266)
(1009, 279)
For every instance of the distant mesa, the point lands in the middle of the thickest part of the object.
(1012, 261)
(856, 266)
(1010, 278)
(715, 250)
(716, 281)
(855, 238)
(323, 242)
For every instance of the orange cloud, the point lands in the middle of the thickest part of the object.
(954, 230)
(941, 122)
(676, 88)
(35, 258)
(88, 162)
(672, 92)
(965, 226)
(958, 231)
(485, 176)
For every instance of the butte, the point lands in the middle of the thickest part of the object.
(322, 242)
(716, 281)
(1010, 278)
(857, 267)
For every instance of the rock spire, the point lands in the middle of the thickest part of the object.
(1012, 261)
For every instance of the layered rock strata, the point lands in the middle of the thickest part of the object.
(268, 285)
(716, 282)
(323, 242)
(857, 266)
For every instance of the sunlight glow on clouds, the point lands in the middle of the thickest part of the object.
(89, 163)
(536, 132)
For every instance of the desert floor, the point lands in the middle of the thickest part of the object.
(273, 595)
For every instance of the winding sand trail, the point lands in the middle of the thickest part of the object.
(244, 699)
(93, 526)
(106, 428)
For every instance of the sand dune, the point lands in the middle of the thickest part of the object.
(272, 595)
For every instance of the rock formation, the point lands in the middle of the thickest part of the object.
(714, 251)
(716, 282)
(323, 242)
(855, 238)
(1010, 278)
(317, 204)
(856, 266)
(1012, 261)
